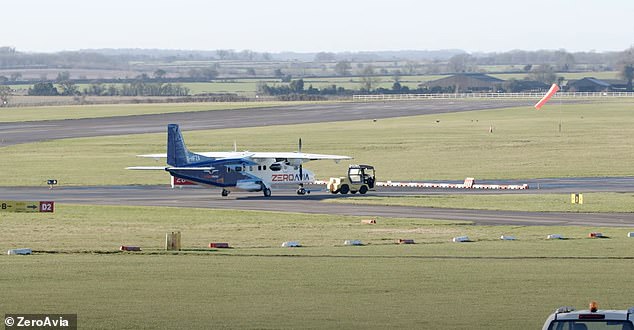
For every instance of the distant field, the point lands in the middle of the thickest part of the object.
(566, 75)
(595, 140)
(432, 284)
(248, 87)
(593, 202)
(114, 110)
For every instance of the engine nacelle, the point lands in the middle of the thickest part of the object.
(295, 162)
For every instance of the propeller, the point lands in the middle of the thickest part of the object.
(299, 150)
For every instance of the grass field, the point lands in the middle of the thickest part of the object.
(593, 202)
(201, 292)
(484, 284)
(595, 140)
(115, 110)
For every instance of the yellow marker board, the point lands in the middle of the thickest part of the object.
(27, 206)
(576, 198)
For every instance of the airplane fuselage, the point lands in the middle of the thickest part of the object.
(249, 177)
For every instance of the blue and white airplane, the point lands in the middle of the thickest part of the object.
(247, 171)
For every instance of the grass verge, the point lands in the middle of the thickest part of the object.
(434, 284)
(593, 202)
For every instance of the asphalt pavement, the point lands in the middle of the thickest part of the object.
(285, 200)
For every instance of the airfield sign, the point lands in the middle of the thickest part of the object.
(27, 206)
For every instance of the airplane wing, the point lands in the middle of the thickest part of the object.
(163, 168)
(222, 155)
(298, 155)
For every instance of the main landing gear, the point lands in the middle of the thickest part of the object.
(225, 193)
(302, 191)
(266, 191)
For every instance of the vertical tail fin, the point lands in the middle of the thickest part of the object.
(177, 152)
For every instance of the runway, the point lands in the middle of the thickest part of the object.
(24, 132)
(287, 200)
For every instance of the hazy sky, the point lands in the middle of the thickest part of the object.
(318, 25)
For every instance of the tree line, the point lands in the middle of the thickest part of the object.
(138, 88)
(296, 87)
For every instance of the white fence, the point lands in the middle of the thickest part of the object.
(389, 97)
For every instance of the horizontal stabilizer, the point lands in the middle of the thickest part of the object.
(164, 168)
(190, 168)
(146, 168)
(153, 156)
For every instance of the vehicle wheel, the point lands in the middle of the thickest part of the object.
(267, 192)
(225, 193)
(344, 189)
(301, 191)
(363, 190)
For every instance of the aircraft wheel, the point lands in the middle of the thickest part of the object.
(344, 189)
(225, 193)
(267, 192)
(363, 190)
(301, 191)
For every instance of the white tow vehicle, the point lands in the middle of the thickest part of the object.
(567, 318)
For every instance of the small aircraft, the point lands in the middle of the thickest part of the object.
(247, 171)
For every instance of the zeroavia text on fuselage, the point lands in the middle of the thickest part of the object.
(248, 171)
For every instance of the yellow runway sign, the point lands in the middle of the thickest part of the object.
(27, 206)
(576, 198)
